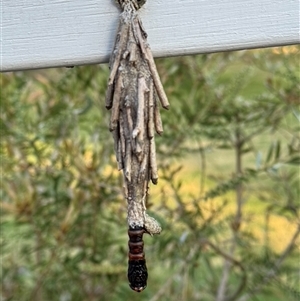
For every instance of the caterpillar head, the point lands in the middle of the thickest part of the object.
(137, 275)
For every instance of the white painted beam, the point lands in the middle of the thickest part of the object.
(52, 33)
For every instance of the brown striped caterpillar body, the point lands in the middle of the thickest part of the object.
(137, 269)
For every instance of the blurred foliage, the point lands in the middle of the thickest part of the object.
(63, 217)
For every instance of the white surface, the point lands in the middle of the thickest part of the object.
(52, 33)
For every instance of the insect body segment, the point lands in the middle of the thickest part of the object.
(137, 269)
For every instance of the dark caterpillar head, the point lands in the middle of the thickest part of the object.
(137, 275)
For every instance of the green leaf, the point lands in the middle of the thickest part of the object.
(247, 150)
(278, 149)
(294, 161)
(270, 153)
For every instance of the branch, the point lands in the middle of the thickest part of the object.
(274, 270)
(236, 222)
(162, 290)
(233, 261)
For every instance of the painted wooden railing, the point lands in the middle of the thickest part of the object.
(42, 34)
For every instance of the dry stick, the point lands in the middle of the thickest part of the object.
(142, 88)
(122, 135)
(142, 171)
(128, 161)
(109, 96)
(115, 111)
(154, 175)
(144, 178)
(119, 156)
(151, 112)
(117, 148)
(116, 141)
(132, 57)
(137, 32)
(145, 48)
(139, 130)
(132, 51)
(119, 48)
(129, 120)
(125, 186)
(158, 85)
(115, 62)
(131, 48)
(157, 120)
